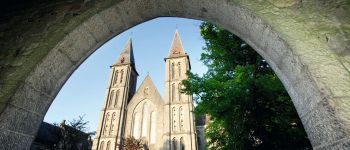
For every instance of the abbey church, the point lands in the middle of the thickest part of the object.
(164, 123)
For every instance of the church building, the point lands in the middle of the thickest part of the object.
(166, 123)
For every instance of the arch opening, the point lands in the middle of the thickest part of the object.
(317, 100)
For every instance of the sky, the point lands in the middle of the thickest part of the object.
(84, 91)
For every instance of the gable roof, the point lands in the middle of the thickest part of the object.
(147, 90)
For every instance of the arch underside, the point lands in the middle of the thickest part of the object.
(309, 52)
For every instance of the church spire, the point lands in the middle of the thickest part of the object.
(127, 55)
(176, 48)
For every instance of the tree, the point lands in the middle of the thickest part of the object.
(131, 143)
(73, 134)
(248, 105)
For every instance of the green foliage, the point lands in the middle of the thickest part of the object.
(131, 143)
(248, 105)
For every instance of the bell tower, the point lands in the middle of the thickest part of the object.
(121, 88)
(181, 132)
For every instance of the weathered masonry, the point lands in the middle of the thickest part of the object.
(306, 42)
(166, 124)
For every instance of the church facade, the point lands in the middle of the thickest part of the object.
(163, 123)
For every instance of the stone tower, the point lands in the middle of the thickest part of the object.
(120, 90)
(179, 118)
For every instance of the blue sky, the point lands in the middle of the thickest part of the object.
(84, 91)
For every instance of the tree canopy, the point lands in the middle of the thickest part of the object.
(247, 103)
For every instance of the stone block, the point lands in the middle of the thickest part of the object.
(343, 144)
(175, 7)
(20, 120)
(30, 99)
(14, 141)
(147, 9)
(78, 45)
(98, 28)
(131, 17)
(322, 125)
(47, 76)
(332, 77)
(304, 96)
(113, 20)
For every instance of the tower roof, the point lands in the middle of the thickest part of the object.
(127, 55)
(176, 49)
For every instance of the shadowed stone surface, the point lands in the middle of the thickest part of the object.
(306, 43)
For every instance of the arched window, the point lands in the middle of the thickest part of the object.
(136, 125)
(145, 120)
(172, 70)
(112, 124)
(174, 119)
(108, 145)
(174, 144)
(173, 92)
(102, 144)
(116, 98)
(179, 68)
(110, 101)
(121, 75)
(181, 118)
(115, 77)
(153, 123)
(182, 144)
(179, 91)
(105, 124)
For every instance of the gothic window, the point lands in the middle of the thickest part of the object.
(182, 144)
(110, 101)
(179, 68)
(116, 98)
(145, 120)
(153, 123)
(172, 71)
(108, 145)
(121, 75)
(115, 77)
(145, 92)
(102, 145)
(179, 91)
(174, 144)
(112, 125)
(173, 92)
(181, 115)
(174, 119)
(105, 124)
(136, 125)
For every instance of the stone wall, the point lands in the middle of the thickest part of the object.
(306, 42)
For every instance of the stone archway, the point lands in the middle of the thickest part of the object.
(305, 42)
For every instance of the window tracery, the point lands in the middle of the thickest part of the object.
(173, 92)
(110, 101)
(179, 68)
(108, 145)
(172, 70)
(115, 77)
(102, 145)
(174, 119)
(116, 98)
(121, 75)
(174, 144)
(181, 118)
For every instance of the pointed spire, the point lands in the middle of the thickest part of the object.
(127, 55)
(176, 48)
